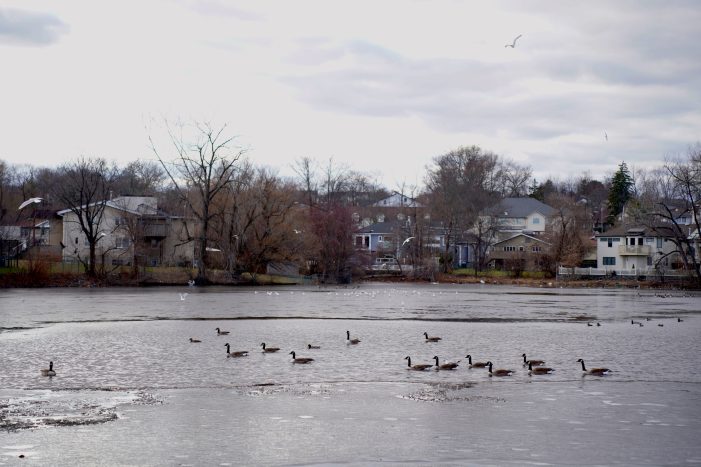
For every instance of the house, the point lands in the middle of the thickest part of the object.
(397, 200)
(41, 233)
(397, 207)
(379, 238)
(520, 252)
(519, 215)
(629, 249)
(132, 230)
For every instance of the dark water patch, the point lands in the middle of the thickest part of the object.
(16, 328)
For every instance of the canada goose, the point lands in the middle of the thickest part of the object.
(419, 367)
(589, 324)
(269, 349)
(309, 346)
(598, 324)
(679, 320)
(432, 338)
(221, 333)
(351, 341)
(240, 353)
(534, 362)
(594, 371)
(539, 370)
(300, 359)
(476, 364)
(500, 372)
(50, 371)
(195, 340)
(660, 324)
(446, 365)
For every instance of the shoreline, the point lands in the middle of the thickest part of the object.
(65, 280)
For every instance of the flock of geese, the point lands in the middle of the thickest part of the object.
(535, 366)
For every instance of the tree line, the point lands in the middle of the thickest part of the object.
(251, 216)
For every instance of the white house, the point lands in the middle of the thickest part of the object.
(631, 249)
(519, 215)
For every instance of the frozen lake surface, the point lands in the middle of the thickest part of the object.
(132, 390)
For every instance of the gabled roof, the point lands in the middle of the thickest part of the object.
(381, 227)
(639, 231)
(396, 200)
(123, 204)
(522, 235)
(520, 207)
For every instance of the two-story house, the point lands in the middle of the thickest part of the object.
(629, 250)
(513, 216)
(132, 230)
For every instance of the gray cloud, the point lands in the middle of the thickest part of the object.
(636, 74)
(18, 27)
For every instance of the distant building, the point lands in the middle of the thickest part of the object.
(519, 215)
(132, 231)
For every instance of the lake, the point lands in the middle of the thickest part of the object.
(131, 389)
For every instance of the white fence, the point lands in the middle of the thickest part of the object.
(602, 272)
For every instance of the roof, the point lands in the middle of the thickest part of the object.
(522, 235)
(381, 227)
(639, 230)
(396, 200)
(520, 207)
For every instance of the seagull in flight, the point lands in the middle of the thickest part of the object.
(513, 44)
(30, 201)
(606, 135)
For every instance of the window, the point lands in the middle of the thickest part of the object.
(609, 260)
(121, 242)
(536, 249)
(640, 241)
(649, 240)
(536, 220)
(659, 243)
(520, 248)
(610, 242)
(509, 248)
(649, 260)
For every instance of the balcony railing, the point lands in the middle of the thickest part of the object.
(155, 230)
(634, 250)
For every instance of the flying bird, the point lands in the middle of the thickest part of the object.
(513, 44)
(28, 202)
(606, 136)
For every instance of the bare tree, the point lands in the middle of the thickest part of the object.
(84, 190)
(461, 185)
(199, 171)
(140, 178)
(678, 217)
(568, 229)
(305, 168)
(516, 178)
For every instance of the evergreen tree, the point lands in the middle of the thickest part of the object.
(620, 193)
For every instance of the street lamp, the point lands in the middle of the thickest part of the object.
(24, 205)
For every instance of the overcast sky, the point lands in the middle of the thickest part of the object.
(381, 86)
